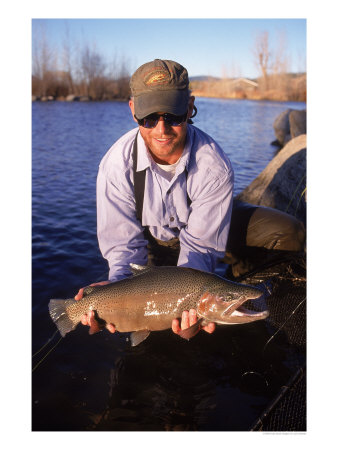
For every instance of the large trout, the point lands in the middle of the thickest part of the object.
(154, 296)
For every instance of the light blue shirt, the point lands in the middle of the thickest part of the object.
(202, 227)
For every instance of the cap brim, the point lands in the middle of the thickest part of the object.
(170, 101)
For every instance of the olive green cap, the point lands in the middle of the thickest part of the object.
(160, 85)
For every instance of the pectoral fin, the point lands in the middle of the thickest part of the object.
(97, 325)
(190, 332)
(138, 336)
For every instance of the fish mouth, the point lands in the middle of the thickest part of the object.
(247, 309)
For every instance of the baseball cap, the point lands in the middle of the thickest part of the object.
(160, 85)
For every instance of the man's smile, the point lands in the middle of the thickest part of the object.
(163, 140)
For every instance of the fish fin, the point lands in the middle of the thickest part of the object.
(190, 332)
(95, 328)
(137, 269)
(58, 313)
(98, 325)
(137, 337)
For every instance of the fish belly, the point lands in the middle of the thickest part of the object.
(153, 313)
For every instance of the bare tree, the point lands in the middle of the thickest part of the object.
(44, 60)
(119, 75)
(278, 80)
(281, 60)
(93, 72)
(262, 56)
(123, 78)
(68, 61)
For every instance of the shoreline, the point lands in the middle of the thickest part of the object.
(50, 99)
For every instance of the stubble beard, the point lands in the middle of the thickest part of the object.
(163, 151)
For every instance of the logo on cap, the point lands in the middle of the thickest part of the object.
(157, 77)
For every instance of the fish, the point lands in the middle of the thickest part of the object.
(153, 296)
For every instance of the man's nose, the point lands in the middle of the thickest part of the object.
(162, 125)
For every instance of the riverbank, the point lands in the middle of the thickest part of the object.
(74, 98)
(271, 96)
(259, 96)
(283, 88)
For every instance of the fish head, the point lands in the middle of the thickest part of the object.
(226, 306)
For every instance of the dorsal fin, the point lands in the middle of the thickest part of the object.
(137, 269)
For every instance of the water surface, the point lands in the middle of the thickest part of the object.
(98, 381)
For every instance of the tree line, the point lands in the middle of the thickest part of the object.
(274, 79)
(82, 71)
(76, 70)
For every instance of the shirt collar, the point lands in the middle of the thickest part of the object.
(143, 158)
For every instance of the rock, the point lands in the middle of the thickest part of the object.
(72, 98)
(281, 127)
(297, 120)
(288, 125)
(282, 184)
(48, 98)
(84, 98)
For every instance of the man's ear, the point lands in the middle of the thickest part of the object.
(132, 109)
(191, 106)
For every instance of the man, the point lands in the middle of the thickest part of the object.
(164, 193)
(181, 211)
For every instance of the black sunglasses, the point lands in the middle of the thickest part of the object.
(170, 119)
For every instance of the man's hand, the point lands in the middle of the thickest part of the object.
(189, 318)
(89, 319)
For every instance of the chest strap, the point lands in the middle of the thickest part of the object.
(139, 183)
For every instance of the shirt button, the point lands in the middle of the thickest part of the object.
(172, 219)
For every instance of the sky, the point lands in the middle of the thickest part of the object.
(213, 47)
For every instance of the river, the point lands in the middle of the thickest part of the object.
(98, 382)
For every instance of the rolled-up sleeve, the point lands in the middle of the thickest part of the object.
(120, 234)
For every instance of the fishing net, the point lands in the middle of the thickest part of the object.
(288, 410)
(286, 282)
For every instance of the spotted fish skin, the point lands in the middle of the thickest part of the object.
(154, 296)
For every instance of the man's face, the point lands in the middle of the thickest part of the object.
(165, 142)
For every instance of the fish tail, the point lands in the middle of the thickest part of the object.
(59, 314)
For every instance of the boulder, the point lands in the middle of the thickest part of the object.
(84, 98)
(281, 127)
(297, 119)
(72, 98)
(282, 184)
(288, 125)
(47, 98)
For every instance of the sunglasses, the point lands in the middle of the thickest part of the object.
(170, 119)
